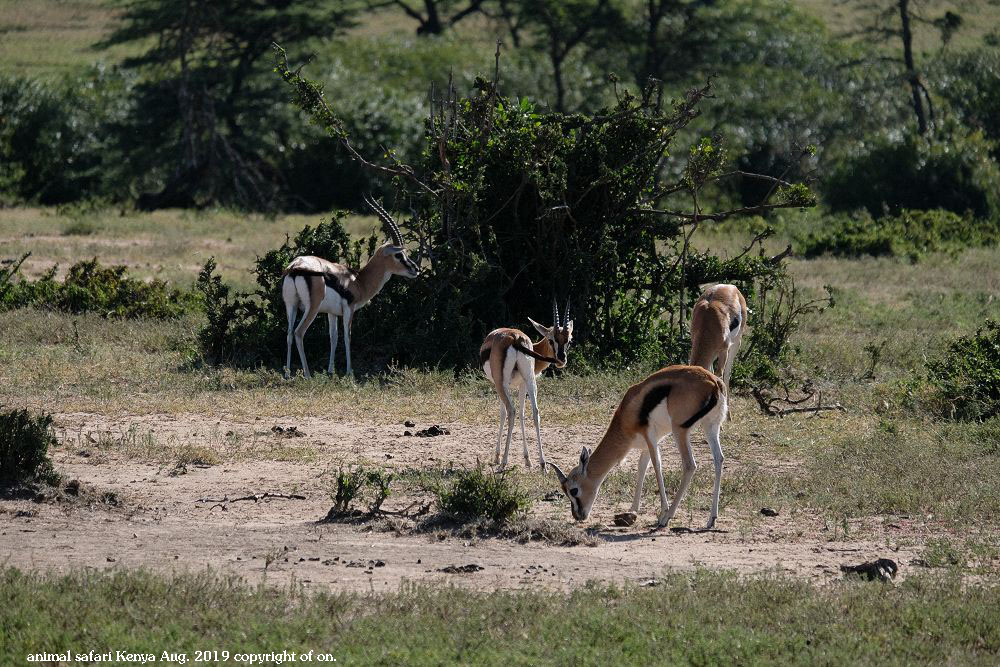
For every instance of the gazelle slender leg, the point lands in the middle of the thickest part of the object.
(510, 426)
(688, 466)
(334, 335)
(503, 416)
(524, 435)
(291, 309)
(347, 339)
(712, 435)
(640, 478)
(654, 455)
(533, 395)
(300, 332)
(734, 348)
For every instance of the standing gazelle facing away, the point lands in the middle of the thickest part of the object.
(670, 400)
(314, 285)
(512, 362)
(717, 323)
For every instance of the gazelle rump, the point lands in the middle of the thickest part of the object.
(315, 285)
(512, 362)
(717, 323)
(671, 400)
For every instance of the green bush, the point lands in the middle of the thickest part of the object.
(967, 376)
(951, 170)
(24, 444)
(90, 287)
(909, 234)
(477, 494)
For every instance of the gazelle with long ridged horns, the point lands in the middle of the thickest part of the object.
(717, 323)
(512, 362)
(315, 285)
(672, 400)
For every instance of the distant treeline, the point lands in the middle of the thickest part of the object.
(200, 118)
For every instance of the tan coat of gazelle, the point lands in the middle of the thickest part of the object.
(671, 400)
(512, 362)
(315, 285)
(717, 323)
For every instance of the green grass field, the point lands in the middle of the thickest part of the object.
(702, 618)
(45, 37)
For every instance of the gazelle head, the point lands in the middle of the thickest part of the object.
(579, 487)
(392, 253)
(559, 335)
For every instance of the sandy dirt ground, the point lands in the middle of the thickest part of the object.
(173, 519)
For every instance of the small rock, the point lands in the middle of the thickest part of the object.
(111, 559)
(461, 569)
(410, 423)
(72, 487)
(767, 511)
(649, 583)
(625, 519)
(407, 433)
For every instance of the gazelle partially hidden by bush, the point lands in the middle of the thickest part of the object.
(671, 400)
(512, 362)
(717, 323)
(315, 285)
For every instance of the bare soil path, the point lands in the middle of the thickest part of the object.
(167, 518)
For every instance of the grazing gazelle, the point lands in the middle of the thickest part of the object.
(717, 323)
(511, 361)
(670, 400)
(314, 285)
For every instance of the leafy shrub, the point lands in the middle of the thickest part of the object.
(248, 329)
(952, 170)
(909, 234)
(24, 444)
(56, 136)
(477, 494)
(90, 287)
(352, 484)
(970, 83)
(967, 376)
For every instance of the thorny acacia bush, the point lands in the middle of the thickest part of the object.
(512, 207)
(90, 287)
(24, 445)
(967, 376)
(478, 494)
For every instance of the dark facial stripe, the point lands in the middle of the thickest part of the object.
(653, 397)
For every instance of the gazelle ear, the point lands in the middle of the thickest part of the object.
(544, 330)
(584, 458)
(569, 328)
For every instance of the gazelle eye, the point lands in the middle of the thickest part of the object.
(399, 255)
(574, 492)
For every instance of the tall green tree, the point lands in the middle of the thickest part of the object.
(202, 123)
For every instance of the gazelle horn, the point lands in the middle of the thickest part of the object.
(566, 314)
(559, 473)
(555, 312)
(390, 225)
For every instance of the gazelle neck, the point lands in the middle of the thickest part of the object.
(370, 280)
(609, 451)
(543, 347)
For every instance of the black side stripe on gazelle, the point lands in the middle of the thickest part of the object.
(653, 397)
(705, 409)
(331, 282)
(531, 353)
